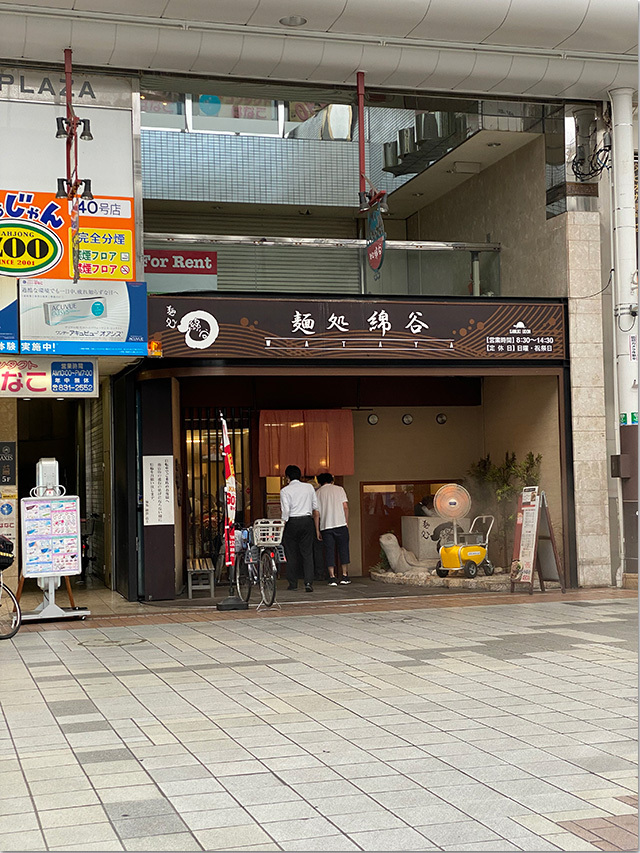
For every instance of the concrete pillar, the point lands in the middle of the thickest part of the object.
(587, 399)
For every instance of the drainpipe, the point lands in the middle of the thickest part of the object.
(475, 272)
(361, 132)
(625, 311)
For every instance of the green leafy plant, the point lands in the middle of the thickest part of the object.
(494, 491)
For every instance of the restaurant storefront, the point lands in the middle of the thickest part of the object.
(393, 397)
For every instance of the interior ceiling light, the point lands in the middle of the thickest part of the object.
(494, 144)
(293, 21)
(417, 195)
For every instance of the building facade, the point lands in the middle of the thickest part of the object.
(501, 320)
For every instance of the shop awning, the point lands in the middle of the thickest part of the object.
(314, 439)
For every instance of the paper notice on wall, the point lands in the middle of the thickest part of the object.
(157, 490)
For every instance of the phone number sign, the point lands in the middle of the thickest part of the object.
(44, 377)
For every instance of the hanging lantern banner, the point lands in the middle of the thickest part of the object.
(376, 238)
(230, 490)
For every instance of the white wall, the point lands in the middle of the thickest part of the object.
(393, 452)
(33, 159)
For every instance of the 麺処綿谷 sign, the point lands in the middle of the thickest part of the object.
(473, 329)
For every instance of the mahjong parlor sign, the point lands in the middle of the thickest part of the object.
(35, 237)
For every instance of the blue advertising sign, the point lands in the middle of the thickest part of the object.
(73, 377)
(8, 315)
(60, 317)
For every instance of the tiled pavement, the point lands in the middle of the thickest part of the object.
(429, 724)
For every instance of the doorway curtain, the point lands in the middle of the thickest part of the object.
(315, 440)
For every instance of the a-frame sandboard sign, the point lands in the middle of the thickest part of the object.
(534, 546)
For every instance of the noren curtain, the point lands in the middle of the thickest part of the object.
(315, 440)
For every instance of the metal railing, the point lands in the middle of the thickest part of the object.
(334, 266)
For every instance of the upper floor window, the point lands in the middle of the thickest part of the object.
(224, 113)
(162, 109)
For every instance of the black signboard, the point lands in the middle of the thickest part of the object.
(7, 463)
(236, 327)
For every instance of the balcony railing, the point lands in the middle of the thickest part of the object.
(332, 266)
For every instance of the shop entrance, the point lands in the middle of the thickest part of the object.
(411, 434)
(204, 475)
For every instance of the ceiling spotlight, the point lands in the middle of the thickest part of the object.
(494, 144)
(86, 192)
(417, 195)
(293, 21)
(441, 418)
(86, 130)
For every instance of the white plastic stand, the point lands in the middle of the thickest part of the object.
(48, 486)
(49, 609)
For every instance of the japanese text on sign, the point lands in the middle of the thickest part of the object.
(157, 490)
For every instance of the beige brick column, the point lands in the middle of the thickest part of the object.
(587, 399)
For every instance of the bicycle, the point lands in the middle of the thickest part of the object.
(89, 526)
(258, 560)
(10, 613)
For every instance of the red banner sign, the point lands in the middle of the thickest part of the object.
(179, 262)
(230, 497)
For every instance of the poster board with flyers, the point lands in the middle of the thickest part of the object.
(534, 547)
(51, 536)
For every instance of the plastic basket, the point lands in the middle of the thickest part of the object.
(268, 531)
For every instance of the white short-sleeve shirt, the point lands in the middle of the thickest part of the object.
(297, 499)
(331, 500)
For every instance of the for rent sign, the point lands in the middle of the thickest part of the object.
(165, 270)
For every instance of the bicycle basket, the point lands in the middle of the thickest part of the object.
(6, 552)
(268, 531)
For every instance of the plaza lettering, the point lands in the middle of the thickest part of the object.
(45, 86)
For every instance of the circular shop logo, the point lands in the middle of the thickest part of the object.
(27, 248)
(200, 329)
(6, 509)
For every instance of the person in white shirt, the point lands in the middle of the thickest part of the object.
(333, 528)
(299, 507)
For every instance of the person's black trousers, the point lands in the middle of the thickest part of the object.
(298, 546)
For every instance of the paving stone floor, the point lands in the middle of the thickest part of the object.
(504, 725)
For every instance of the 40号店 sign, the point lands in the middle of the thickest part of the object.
(35, 237)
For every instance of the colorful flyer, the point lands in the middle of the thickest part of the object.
(51, 543)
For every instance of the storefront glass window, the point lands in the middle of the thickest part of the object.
(224, 113)
(204, 476)
(162, 109)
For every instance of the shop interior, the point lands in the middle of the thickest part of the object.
(399, 438)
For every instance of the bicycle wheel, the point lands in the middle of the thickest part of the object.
(10, 614)
(243, 578)
(268, 575)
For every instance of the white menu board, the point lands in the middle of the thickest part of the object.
(157, 490)
(51, 536)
